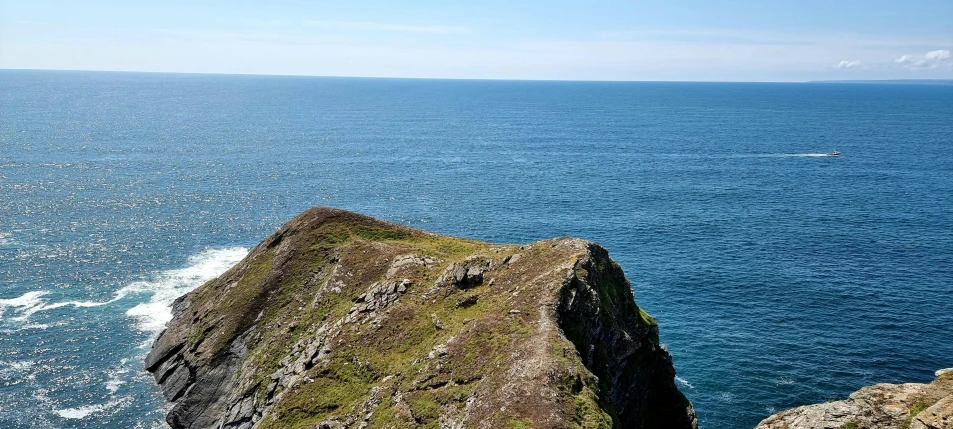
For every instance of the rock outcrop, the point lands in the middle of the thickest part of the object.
(339, 320)
(905, 406)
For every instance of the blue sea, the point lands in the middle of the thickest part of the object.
(779, 276)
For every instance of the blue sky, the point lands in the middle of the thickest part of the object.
(586, 40)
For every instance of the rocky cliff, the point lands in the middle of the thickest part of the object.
(339, 320)
(882, 406)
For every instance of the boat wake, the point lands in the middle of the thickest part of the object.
(798, 155)
(772, 155)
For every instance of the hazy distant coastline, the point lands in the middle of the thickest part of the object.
(893, 81)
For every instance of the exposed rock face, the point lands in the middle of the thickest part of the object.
(906, 406)
(339, 320)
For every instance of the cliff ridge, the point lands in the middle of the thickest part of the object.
(339, 320)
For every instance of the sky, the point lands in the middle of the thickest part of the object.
(656, 40)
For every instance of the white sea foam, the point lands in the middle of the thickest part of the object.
(87, 410)
(31, 303)
(785, 381)
(25, 304)
(115, 377)
(10, 241)
(153, 315)
(150, 308)
(40, 326)
(683, 382)
(165, 286)
(113, 384)
(16, 367)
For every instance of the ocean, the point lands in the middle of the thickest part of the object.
(779, 276)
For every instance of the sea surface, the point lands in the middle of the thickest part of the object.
(780, 276)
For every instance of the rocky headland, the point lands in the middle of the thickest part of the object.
(339, 320)
(881, 406)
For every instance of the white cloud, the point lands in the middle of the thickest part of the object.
(939, 54)
(847, 64)
(929, 60)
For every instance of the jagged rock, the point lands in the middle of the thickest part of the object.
(466, 274)
(938, 416)
(468, 301)
(323, 325)
(881, 406)
(405, 262)
(438, 350)
(437, 324)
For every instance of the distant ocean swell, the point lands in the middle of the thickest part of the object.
(148, 304)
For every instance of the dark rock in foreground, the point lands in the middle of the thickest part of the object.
(881, 406)
(340, 320)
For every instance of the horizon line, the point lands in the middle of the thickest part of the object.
(484, 79)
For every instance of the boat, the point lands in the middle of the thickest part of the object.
(834, 153)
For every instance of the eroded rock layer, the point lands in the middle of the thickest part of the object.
(339, 320)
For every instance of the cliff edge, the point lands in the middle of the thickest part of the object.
(881, 406)
(339, 320)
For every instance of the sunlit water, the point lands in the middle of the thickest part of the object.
(780, 276)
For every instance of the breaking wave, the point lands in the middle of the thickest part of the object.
(147, 302)
(87, 410)
(164, 287)
(683, 382)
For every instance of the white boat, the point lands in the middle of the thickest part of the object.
(834, 153)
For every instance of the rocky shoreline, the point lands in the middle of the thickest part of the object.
(881, 406)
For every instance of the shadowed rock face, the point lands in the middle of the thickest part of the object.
(340, 320)
(886, 406)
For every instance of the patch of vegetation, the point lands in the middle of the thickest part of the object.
(647, 318)
(380, 234)
(521, 424)
(425, 408)
(477, 351)
(384, 417)
(917, 408)
(447, 247)
(589, 415)
(457, 393)
(338, 387)
(240, 299)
